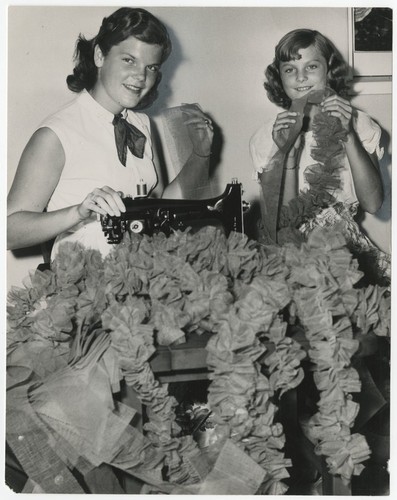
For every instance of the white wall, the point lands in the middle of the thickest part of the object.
(218, 60)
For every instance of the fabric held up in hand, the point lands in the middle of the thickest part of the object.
(178, 147)
(271, 180)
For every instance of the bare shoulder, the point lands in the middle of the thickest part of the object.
(38, 172)
(44, 142)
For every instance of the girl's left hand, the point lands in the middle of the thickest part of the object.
(201, 131)
(341, 108)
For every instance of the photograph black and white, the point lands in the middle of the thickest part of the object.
(198, 249)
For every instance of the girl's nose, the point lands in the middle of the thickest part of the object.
(301, 76)
(139, 74)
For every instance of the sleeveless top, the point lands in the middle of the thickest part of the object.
(262, 149)
(86, 133)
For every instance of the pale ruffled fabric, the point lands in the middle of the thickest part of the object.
(262, 148)
(242, 292)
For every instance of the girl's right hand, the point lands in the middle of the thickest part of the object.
(284, 121)
(200, 129)
(102, 201)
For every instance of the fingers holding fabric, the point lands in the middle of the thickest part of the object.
(340, 108)
(287, 123)
(284, 120)
(200, 128)
(195, 116)
(199, 122)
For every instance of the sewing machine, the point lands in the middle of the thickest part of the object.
(151, 215)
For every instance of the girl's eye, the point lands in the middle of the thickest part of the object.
(288, 70)
(312, 67)
(129, 60)
(153, 68)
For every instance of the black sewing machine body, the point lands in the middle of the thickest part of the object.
(152, 215)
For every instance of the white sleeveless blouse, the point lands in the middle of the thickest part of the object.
(86, 133)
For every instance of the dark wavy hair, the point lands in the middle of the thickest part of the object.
(287, 50)
(119, 26)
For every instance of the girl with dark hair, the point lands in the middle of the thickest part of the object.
(96, 149)
(124, 23)
(307, 67)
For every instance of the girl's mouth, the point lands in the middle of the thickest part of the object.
(133, 88)
(302, 89)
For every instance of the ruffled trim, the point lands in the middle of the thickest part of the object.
(76, 330)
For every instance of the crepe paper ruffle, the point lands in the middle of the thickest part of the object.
(346, 378)
(349, 413)
(320, 428)
(321, 307)
(238, 289)
(373, 262)
(333, 353)
(71, 267)
(323, 178)
(373, 310)
(239, 413)
(345, 457)
(284, 365)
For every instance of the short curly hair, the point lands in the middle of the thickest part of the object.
(120, 25)
(288, 49)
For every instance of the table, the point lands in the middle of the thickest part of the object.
(182, 362)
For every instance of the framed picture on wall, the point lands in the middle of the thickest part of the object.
(371, 42)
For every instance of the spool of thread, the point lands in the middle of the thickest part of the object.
(141, 189)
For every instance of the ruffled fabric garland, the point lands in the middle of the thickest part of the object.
(331, 338)
(74, 332)
(317, 205)
(327, 307)
(323, 177)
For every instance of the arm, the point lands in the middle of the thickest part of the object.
(37, 176)
(364, 167)
(366, 175)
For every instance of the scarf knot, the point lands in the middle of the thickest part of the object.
(127, 135)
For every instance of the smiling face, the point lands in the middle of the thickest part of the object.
(302, 75)
(126, 74)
